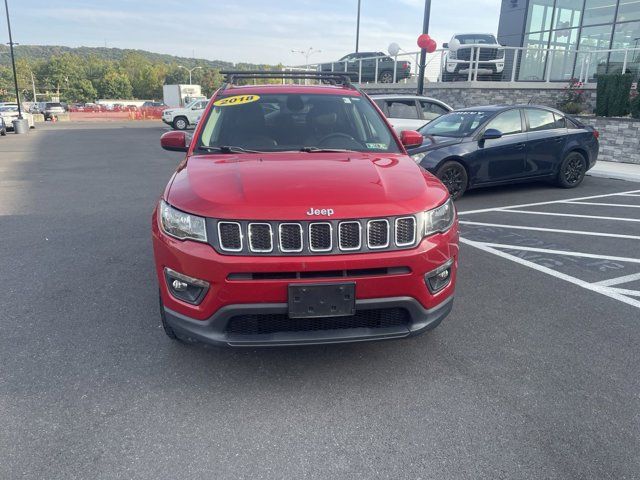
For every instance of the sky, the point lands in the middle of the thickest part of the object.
(243, 30)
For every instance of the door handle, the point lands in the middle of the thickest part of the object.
(559, 139)
(519, 146)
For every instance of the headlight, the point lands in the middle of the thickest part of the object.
(182, 225)
(418, 157)
(439, 219)
(453, 54)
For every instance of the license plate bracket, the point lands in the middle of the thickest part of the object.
(322, 300)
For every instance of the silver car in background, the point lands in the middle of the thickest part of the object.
(410, 112)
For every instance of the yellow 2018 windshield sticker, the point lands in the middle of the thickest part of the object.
(236, 100)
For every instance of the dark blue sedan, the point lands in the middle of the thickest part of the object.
(483, 146)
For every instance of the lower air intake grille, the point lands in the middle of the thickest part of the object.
(277, 323)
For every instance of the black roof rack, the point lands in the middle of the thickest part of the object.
(333, 78)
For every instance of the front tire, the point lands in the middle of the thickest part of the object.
(180, 123)
(454, 176)
(572, 170)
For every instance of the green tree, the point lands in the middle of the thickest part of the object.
(81, 91)
(114, 84)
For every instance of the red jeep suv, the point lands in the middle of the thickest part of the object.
(298, 218)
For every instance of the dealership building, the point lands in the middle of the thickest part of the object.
(566, 39)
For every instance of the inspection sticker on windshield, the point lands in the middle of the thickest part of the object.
(376, 146)
(236, 100)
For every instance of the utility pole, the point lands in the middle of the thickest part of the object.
(423, 52)
(307, 53)
(13, 61)
(33, 84)
(358, 28)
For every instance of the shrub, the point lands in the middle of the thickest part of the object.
(613, 95)
(573, 99)
(635, 103)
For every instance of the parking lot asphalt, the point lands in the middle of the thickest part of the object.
(534, 374)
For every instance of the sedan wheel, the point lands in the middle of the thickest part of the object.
(454, 176)
(572, 170)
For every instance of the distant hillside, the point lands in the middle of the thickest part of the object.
(44, 52)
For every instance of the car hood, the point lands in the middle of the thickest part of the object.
(285, 186)
(431, 142)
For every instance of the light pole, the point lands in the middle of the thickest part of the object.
(188, 70)
(13, 61)
(307, 53)
(358, 28)
(423, 52)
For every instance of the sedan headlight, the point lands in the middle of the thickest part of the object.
(439, 219)
(181, 225)
(418, 157)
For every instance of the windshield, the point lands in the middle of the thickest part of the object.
(53, 105)
(282, 122)
(476, 39)
(9, 108)
(455, 124)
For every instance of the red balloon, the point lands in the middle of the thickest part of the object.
(431, 46)
(423, 40)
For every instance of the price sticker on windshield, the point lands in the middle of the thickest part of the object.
(236, 100)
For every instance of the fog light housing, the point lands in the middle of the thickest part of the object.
(185, 288)
(439, 278)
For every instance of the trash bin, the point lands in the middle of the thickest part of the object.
(20, 125)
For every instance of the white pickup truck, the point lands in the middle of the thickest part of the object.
(182, 118)
(488, 57)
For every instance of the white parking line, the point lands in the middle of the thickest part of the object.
(624, 291)
(629, 194)
(553, 230)
(523, 205)
(554, 214)
(605, 204)
(618, 280)
(608, 291)
(563, 252)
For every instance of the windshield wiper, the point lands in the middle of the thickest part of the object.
(330, 150)
(227, 149)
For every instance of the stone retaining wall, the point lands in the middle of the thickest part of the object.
(619, 138)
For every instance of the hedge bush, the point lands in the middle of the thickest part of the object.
(613, 95)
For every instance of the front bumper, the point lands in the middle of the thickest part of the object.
(213, 330)
(230, 294)
(484, 67)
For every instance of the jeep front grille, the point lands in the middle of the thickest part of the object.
(328, 237)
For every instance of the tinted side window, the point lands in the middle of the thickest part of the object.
(402, 109)
(540, 119)
(431, 110)
(507, 122)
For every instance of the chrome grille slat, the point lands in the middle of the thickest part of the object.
(378, 234)
(349, 236)
(230, 235)
(260, 237)
(320, 237)
(290, 237)
(405, 230)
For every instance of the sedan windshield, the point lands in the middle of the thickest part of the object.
(285, 122)
(455, 124)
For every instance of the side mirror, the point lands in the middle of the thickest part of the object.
(491, 134)
(445, 45)
(411, 138)
(174, 141)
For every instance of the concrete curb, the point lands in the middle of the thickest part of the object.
(619, 171)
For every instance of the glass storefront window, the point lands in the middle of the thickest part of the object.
(626, 35)
(539, 15)
(563, 54)
(534, 57)
(591, 40)
(599, 11)
(567, 14)
(628, 10)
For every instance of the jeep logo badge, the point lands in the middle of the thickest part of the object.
(317, 211)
